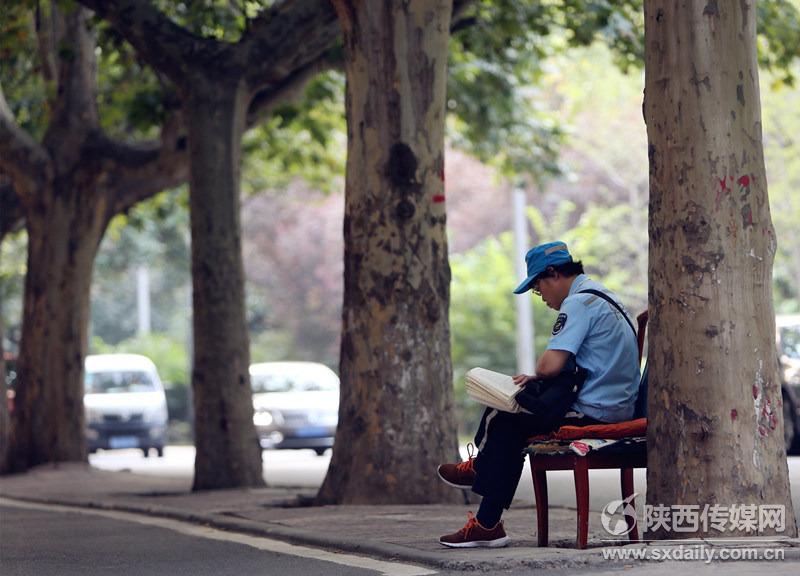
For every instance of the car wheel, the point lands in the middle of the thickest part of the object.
(160, 451)
(146, 451)
(320, 451)
(789, 426)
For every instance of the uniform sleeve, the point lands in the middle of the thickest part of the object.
(571, 326)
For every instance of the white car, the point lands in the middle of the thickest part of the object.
(296, 404)
(125, 403)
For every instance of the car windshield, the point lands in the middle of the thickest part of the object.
(293, 382)
(119, 382)
(790, 341)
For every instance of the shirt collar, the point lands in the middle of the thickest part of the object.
(578, 284)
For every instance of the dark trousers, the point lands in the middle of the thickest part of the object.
(500, 440)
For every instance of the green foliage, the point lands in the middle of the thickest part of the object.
(22, 85)
(779, 38)
(13, 252)
(219, 19)
(499, 53)
(612, 241)
(497, 59)
(130, 97)
(483, 317)
(271, 346)
(782, 154)
(307, 139)
(167, 353)
(154, 234)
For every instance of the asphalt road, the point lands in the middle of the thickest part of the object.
(39, 540)
(44, 541)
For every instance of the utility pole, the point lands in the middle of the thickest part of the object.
(143, 299)
(525, 336)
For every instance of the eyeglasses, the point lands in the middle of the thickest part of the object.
(536, 285)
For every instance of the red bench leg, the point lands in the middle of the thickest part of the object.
(542, 512)
(581, 471)
(626, 483)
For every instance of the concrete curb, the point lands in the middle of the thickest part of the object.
(557, 557)
(443, 559)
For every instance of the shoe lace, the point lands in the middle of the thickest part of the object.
(472, 523)
(468, 465)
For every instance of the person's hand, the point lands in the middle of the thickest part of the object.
(522, 379)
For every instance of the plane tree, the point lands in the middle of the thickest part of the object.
(222, 83)
(715, 432)
(68, 184)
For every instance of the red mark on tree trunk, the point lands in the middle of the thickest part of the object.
(744, 181)
(438, 198)
(755, 391)
(734, 414)
(723, 189)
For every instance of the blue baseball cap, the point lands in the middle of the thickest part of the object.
(539, 258)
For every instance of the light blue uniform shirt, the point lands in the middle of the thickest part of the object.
(605, 346)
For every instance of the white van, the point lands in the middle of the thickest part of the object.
(125, 403)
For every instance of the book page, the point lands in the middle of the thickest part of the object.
(493, 389)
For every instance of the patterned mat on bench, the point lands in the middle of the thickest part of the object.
(629, 436)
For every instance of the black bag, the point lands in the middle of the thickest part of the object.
(550, 398)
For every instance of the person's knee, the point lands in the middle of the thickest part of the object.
(504, 423)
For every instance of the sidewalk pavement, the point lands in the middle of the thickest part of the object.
(401, 533)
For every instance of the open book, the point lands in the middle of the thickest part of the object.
(493, 389)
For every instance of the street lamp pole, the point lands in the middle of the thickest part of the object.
(525, 335)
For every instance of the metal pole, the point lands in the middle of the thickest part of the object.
(526, 360)
(143, 299)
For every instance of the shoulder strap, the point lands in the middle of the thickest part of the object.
(611, 301)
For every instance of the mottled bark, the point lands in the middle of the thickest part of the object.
(715, 431)
(396, 410)
(69, 186)
(48, 421)
(11, 215)
(228, 451)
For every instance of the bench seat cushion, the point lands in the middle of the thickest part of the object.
(625, 429)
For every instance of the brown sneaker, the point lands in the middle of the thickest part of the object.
(461, 475)
(473, 535)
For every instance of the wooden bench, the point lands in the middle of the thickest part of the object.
(625, 458)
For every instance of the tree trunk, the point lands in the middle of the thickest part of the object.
(228, 451)
(48, 420)
(396, 411)
(715, 432)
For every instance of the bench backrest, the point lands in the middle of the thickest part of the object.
(640, 408)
